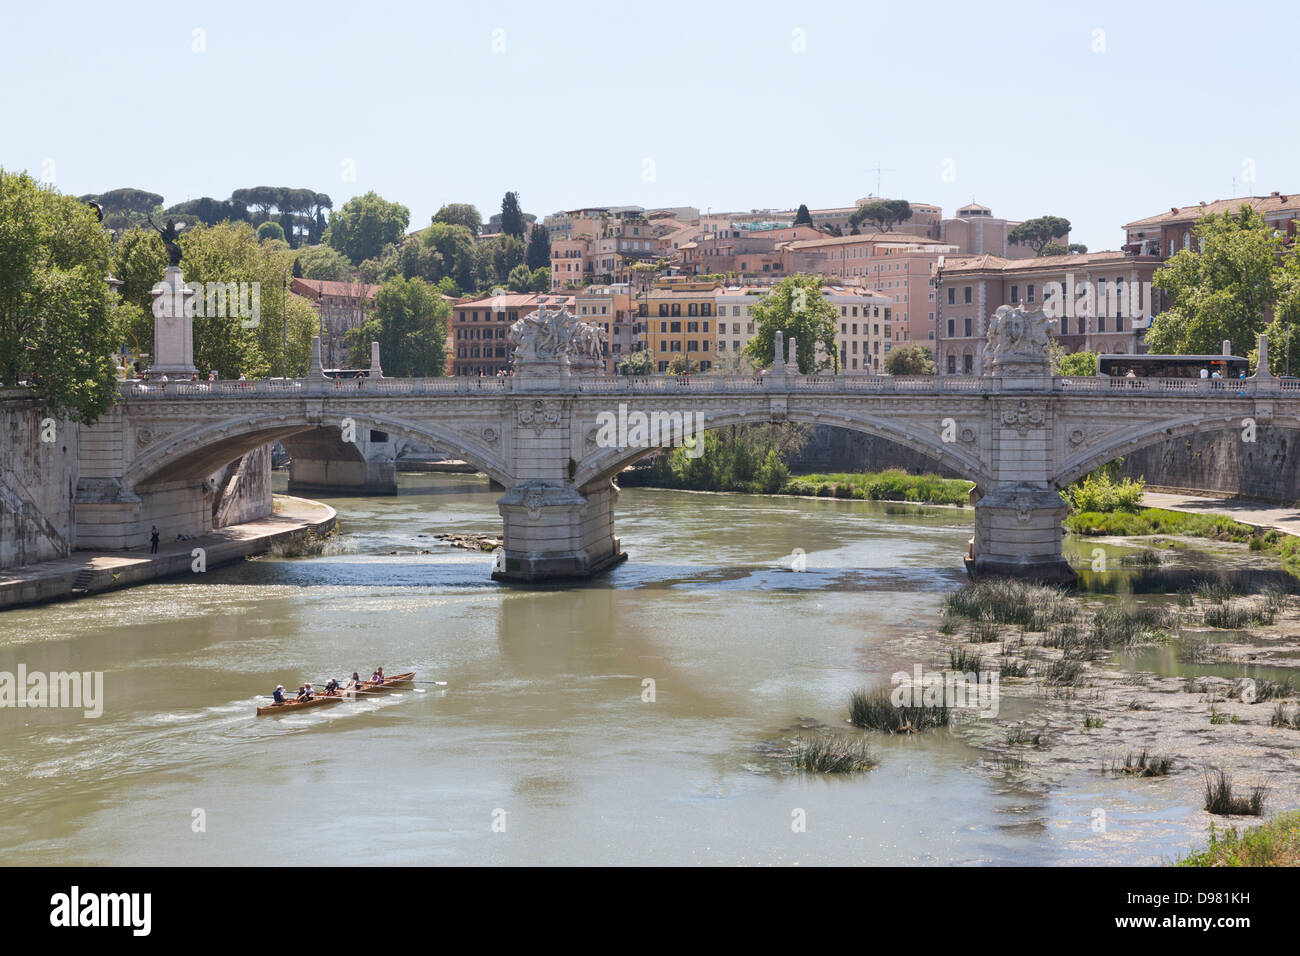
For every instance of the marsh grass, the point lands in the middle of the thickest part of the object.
(830, 753)
(874, 709)
(1284, 717)
(1123, 625)
(1275, 843)
(1222, 799)
(962, 660)
(1031, 607)
(1143, 765)
(1064, 673)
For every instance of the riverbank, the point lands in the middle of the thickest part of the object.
(890, 485)
(1144, 696)
(91, 572)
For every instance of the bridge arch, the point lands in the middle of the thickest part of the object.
(195, 453)
(1142, 436)
(606, 463)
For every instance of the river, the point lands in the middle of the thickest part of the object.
(540, 749)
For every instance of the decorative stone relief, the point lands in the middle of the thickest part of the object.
(1022, 418)
(539, 415)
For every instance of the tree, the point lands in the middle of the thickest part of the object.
(1223, 291)
(270, 230)
(520, 278)
(538, 254)
(541, 280)
(803, 217)
(679, 364)
(910, 359)
(58, 327)
(1076, 364)
(1283, 341)
(454, 245)
(322, 262)
(796, 307)
(410, 324)
(124, 208)
(232, 343)
(139, 261)
(884, 214)
(512, 220)
(639, 362)
(1037, 233)
(460, 214)
(366, 224)
(494, 260)
(1078, 247)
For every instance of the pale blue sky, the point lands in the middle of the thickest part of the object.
(1185, 97)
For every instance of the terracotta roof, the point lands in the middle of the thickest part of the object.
(514, 300)
(1275, 203)
(902, 238)
(320, 287)
(992, 263)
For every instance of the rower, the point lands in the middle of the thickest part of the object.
(331, 688)
(378, 676)
(278, 696)
(354, 682)
(304, 692)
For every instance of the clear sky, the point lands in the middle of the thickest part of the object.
(1100, 112)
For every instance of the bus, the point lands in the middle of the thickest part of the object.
(1172, 366)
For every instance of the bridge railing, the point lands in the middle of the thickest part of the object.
(667, 384)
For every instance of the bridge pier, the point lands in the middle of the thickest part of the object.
(553, 532)
(1018, 534)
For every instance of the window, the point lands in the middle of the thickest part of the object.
(1015, 294)
(952, 365)
(967, 364)
(675, 327)
(952, 296)
(952, 328)
(966, 298)
(966, 326)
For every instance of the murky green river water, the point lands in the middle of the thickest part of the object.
(543, 716)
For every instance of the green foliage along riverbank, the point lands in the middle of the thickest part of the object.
(891, 485)
(1276, 843)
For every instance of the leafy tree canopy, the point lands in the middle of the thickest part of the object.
(1037, 233)
(910, 359)
(884, 214)
(366, 224)
(795, 306)
(58, 327)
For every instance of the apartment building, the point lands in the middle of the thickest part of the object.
(1101, 301)
(896, 265)
(1166, 233)
(862, 326)
(680, 321)
(342, 306)
(478, 333)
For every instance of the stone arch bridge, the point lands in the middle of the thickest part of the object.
(547, 439)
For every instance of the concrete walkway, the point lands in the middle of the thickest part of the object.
(1258, 513)
(87, 572)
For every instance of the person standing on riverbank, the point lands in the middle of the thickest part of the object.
(153, 540)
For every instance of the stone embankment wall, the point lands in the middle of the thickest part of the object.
(1267, 468)
(38, 481)
(1218, 462)
(832, 449)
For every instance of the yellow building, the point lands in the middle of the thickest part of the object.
(680, 322)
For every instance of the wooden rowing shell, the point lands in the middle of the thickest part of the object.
(367, 687)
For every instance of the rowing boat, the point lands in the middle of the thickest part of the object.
(366, 686)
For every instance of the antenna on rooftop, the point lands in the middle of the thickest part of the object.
(878, 170)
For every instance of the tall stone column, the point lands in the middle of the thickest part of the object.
(173, 327)
(1018, 520)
